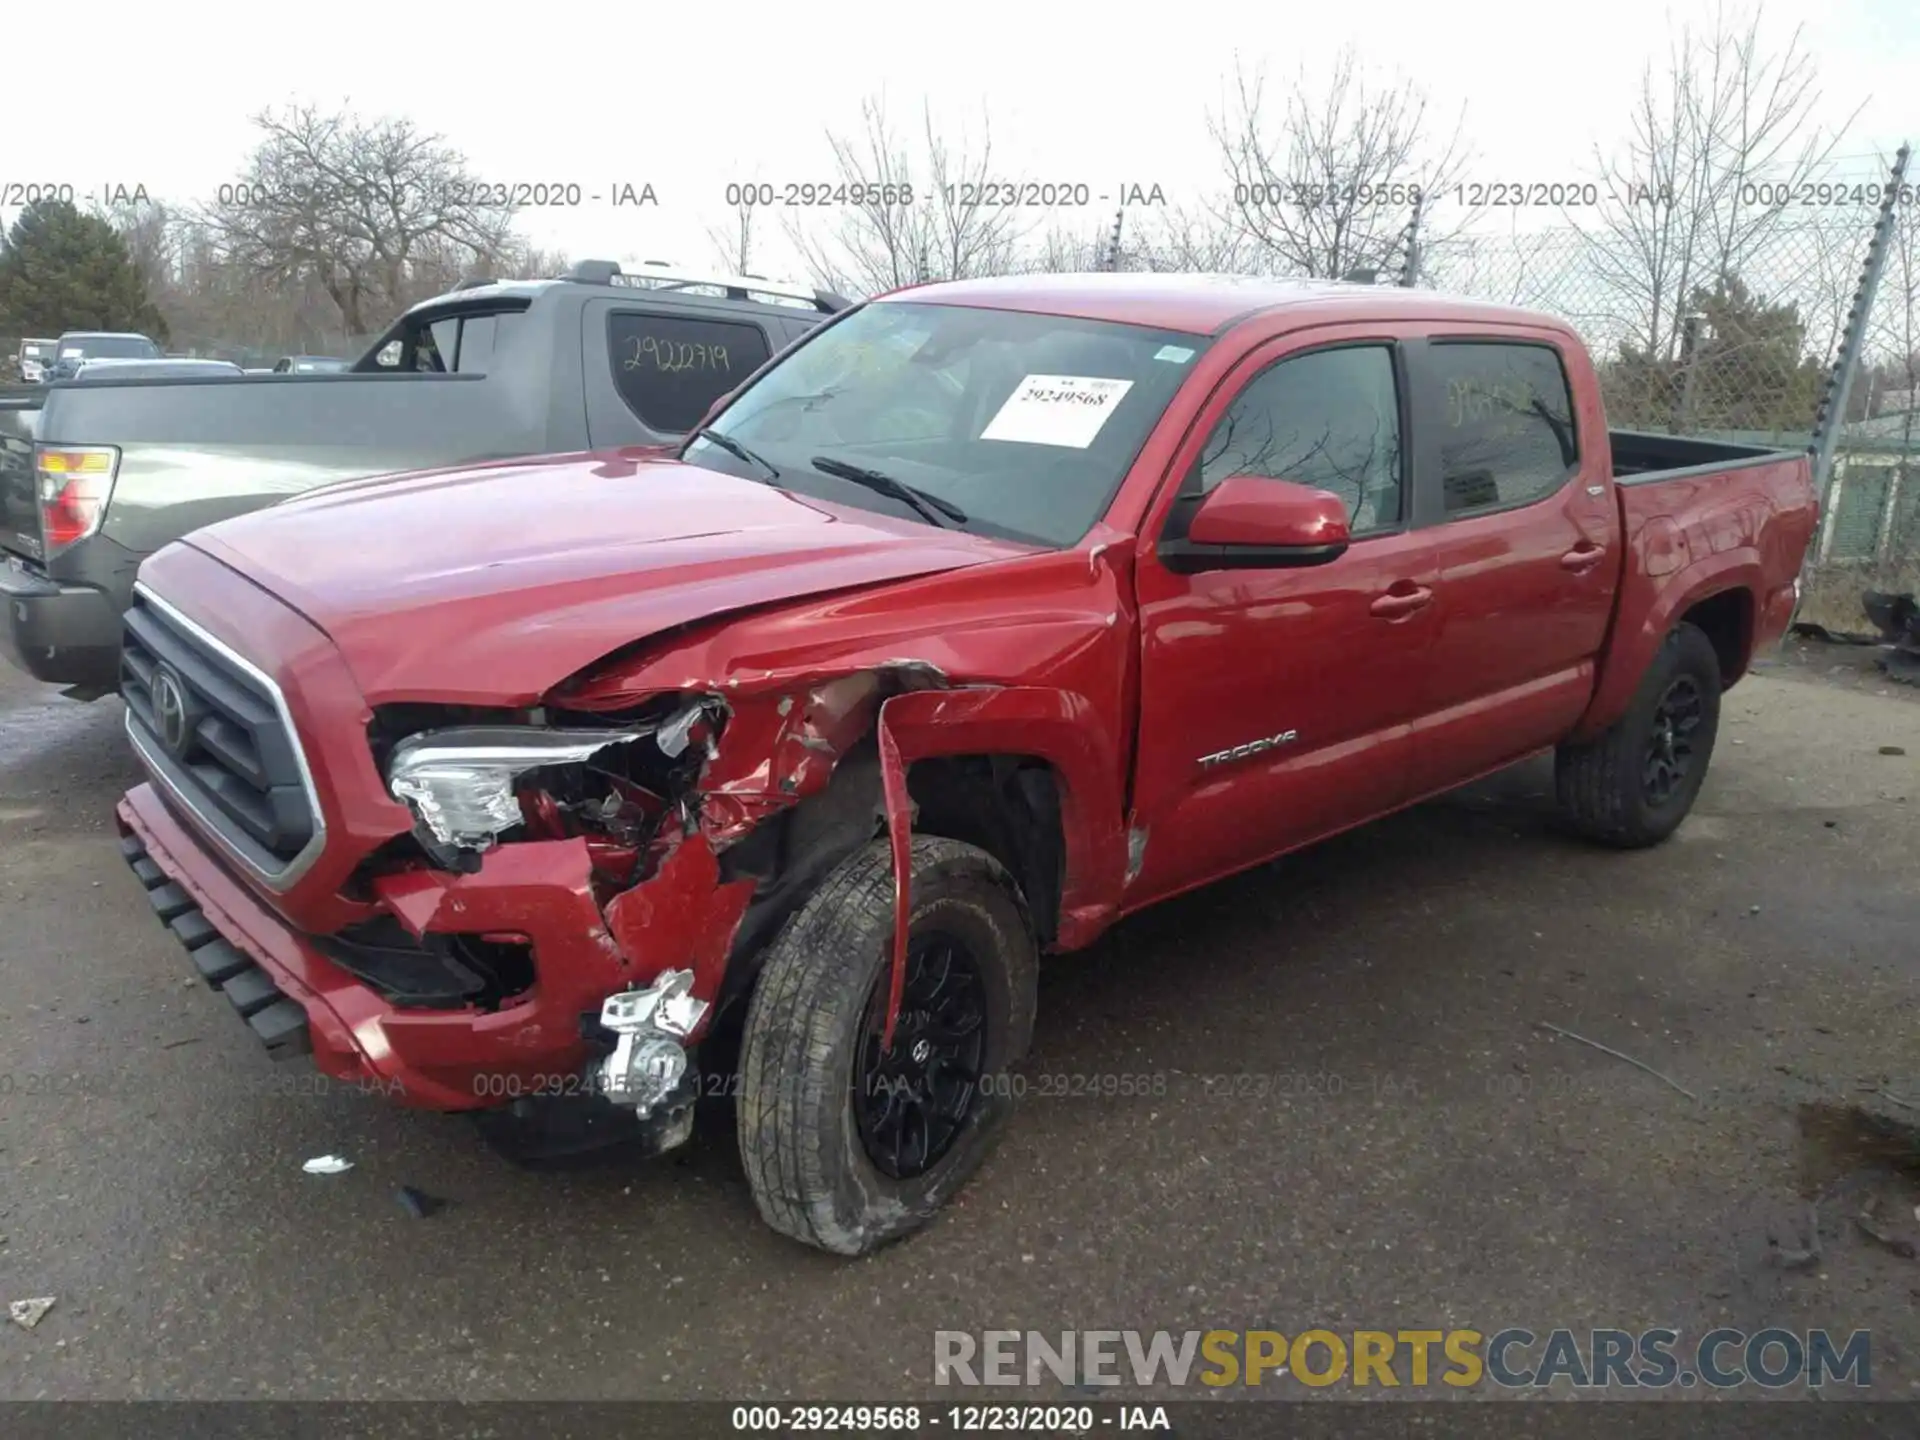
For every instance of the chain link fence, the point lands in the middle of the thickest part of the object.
(1741, 347)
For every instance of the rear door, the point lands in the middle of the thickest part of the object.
(1517, 488)
(652, 373)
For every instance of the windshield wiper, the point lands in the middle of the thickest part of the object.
(931, 507)
(735, 448)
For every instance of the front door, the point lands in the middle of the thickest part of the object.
(1276, 704)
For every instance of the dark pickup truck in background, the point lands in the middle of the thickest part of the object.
(95, 477)
(78, 347)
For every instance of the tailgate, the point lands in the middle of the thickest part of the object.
(19, 502)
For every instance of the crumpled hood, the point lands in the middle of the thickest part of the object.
(490, 584)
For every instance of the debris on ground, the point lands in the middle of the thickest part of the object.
(29, 1313)
(1804, 1259)
(1893, 749)
(1886, 1239)
(1898, 618)
(327, 1165)
(1609, 1050)
(418, 1203)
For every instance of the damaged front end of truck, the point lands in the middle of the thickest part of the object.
(644, 845)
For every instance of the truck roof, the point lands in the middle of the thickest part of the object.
(1203, 304)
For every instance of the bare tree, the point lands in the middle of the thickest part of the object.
(733, 242)
(1725, 128)
(1329, 186)
(1069, 249)
(377, 211)
(909, 218)
(1205, 239)
(150, 231)
(1149, 238)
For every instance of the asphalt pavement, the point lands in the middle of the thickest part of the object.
(1346, 1112)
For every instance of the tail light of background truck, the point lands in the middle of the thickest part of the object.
(76, 481)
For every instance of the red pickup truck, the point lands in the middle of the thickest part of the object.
(567, 791)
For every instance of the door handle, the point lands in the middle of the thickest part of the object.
(1396, 604)
(1583, 557)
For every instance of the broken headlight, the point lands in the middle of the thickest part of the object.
(462, 784)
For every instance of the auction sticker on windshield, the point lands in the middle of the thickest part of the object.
(1057, 410)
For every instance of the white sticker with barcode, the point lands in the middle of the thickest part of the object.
(1064, 410)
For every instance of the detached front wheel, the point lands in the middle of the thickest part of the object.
(849, 1143)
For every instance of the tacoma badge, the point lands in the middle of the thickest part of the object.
(1252, 747)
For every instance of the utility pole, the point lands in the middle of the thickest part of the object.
(1829, 419)
(1690, 326)
(1832, 414)
(1410, 240)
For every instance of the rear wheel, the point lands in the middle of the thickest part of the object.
(1633, 785)
(847, 1143)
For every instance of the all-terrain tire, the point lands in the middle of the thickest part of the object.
(1602, 784)
(800, 1142)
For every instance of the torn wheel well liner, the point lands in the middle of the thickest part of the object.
(1007, 805)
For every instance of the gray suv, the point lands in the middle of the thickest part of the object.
(95, 477)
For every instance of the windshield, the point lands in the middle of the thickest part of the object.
(110, 347)
(1025, 424)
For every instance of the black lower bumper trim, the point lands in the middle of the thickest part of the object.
(219, 962)
(558, 1131)
(62, 634)
(276, 1021)
(169, 901)
(281, 1025)
(251, 991)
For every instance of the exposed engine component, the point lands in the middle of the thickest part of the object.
(648, 1060)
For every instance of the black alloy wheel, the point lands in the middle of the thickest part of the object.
(911, 1101)
(1671, 750)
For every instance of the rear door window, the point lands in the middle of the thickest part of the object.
(669, 369)
(1505, 421)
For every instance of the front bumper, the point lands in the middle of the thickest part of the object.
(60, 634)
(438, 1059)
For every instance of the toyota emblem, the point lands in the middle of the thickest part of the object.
(170, 712)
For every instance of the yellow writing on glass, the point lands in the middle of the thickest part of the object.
(1475, 400)
(672, 356)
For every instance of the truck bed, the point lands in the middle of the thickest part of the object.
(1642, 455)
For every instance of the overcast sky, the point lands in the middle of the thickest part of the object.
(690, 97)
